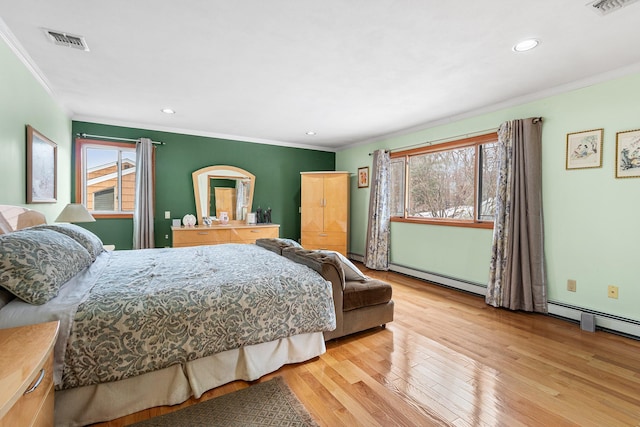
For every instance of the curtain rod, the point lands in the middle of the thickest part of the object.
(452, 138)
(449, 138)
(86, 135)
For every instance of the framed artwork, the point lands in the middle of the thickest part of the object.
(628, 154)
(42, 161)
(584, 149)
(363, 177)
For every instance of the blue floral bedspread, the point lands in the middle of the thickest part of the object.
(153, 308)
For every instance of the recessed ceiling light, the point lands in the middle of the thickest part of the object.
(168, 111)
(311, 133)
(526, 45)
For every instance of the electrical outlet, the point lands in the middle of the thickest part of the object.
(571, 285)
(167, 214)
(612, 292)
(166, 236)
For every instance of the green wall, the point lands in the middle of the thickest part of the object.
(24, 101)
(277, 170)
(590, 217)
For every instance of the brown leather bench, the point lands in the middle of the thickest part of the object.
(359, 304)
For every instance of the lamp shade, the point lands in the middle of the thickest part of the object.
(75, 212)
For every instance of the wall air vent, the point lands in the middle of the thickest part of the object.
(604, 7)
(65, 39)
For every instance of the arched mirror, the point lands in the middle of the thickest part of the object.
(223, 189)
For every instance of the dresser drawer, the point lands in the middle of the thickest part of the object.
(314, 238)
(337, 248)
(29, 406)
(249, 235)
(218, 234)
(330, 240)
(195, 237)
(34, 402)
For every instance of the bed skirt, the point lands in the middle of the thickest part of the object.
(175, 384)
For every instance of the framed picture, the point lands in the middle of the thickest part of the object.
(42, 160)
(363, 177)
(628, 154)
(584, 149)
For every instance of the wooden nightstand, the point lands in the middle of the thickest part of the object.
(26, 375)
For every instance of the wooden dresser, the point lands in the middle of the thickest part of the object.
(324, 210)
(26, 375)
(217, 234)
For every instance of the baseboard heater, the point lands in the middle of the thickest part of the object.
(603, 321)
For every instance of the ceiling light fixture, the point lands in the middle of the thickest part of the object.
(526, 45)
(168, 111)
(311, 133)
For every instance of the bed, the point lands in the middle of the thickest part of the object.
(154, 327)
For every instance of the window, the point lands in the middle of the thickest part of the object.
(106, 177)
(104, 200)
(452, 183)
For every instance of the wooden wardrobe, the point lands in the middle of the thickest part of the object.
(325, 210)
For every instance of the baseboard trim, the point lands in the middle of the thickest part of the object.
(450, 282)
(607, 322)
(438, 279)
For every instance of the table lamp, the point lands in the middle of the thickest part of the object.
(75, 212)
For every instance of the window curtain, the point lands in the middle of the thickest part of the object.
(517, 277)
(377, 245)
(143, 210)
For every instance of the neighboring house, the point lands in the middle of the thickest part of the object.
(102, 186)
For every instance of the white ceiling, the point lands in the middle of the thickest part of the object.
(350, 70)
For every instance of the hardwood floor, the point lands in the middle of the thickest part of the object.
(449, 359)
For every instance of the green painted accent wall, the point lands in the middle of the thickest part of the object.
(277, 170)
(24, 101)
(590, 217)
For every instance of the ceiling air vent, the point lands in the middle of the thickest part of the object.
(604, 7)
(65, 39)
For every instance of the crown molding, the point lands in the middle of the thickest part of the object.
(23, 56)
(19, 51)
(239, 138)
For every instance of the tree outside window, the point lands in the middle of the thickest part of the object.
(452, 183)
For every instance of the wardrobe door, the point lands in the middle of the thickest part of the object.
(312, 209)
(336, 203)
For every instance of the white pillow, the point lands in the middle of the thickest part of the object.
(351, 272)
